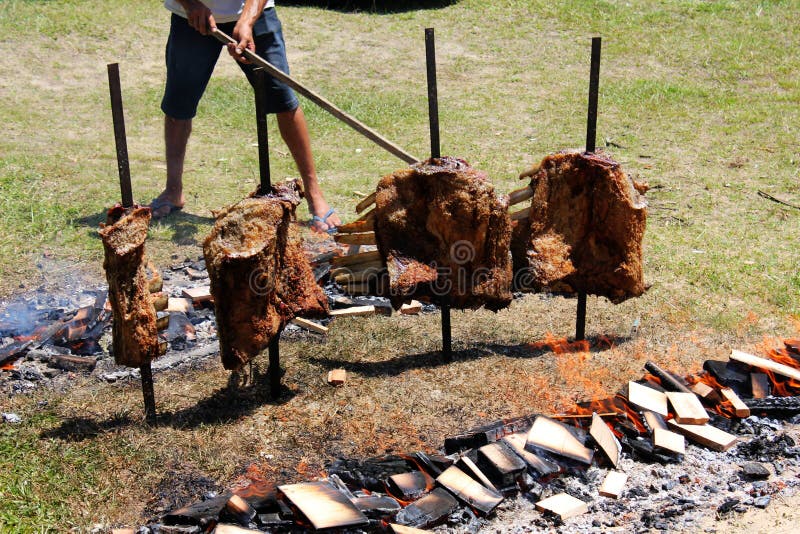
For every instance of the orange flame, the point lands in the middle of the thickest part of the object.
(560, 345)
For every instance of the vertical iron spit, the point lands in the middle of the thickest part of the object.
(433, 119)
(265, 188)
(591, 139)
(123, 165)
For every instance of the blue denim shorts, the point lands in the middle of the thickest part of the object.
(191, 57)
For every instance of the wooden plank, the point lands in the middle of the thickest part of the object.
(688, 409)
(356, 227)
(366, 202)
(706, 435)
(760, 385)
(542, 467)
(500, 463)
(409, 486)
(669, 440)
(179, 304)
(647, 398)
(310, 325)
(613, 484)
(654, 420)
(360, 238)
(355, 259)
(337, 377)
(323, 505)
(354, 311)
(702, 390)
(606, 439)
(521, 214)
(400, 529)
(412, 308)
(363, 274)
(563, 505)
(469, 467)
(552, 436)
(739, 407)
(763, 363)
(431, 509)
(198, 294)
(469, 490)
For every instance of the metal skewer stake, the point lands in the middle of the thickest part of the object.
(433, 119)
(260, 88)
(123, 165)
(591, 135)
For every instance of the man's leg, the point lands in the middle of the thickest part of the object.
(176, 138)
(293, 128)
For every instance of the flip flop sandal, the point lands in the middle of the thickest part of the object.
(324, 220)
(158, 203)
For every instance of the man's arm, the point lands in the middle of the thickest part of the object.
(199, 16)
(243, 32)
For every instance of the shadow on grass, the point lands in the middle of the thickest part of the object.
(224, 405)
(381, 7)
(183, 226)
(431, 359)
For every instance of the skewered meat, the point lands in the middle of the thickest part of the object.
(135, 337)
(585, 228)
(260, 278)
(444, 234)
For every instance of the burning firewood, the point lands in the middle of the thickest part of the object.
(135, 335)
(584, 231)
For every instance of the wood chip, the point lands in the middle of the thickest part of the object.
(310, 325)
(739, 407)
(706, 435)
(563, 505)
(688, 408)
(337, 377)
(179, 304)
(552, 436)
(355, 311)
(469, 490)
(606, 439)
(669, 441)
(647, 398)
(198, 294)
(323, 505)
(613, 484)
(760, 385)
(763, 363)
(412, 308)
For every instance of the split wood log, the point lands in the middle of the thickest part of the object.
(688, 409)
(552, 436)
(654, 420)
(669, 381)
(606, 439)
(468, 466)
(542, 466)
(563, 505)
(355, 311)
(669, 441)
(760, 385)
(613, 484)
(706, 392)
(310, 325)
(366, 202)
(356, 259)
(739, 407)
(763, 363)
(323, 505)
(521, 214)
(362, 238)
(647, 398)
(520, 195)
(469, 490)
(346, 276)
(706, 435)
(500, 463)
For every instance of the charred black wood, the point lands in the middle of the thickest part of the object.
(782, 407)
(370, 473)
(643, 450)
(203, 514)
(409, 486)
(485, 434)
(428, 511)
(426, 463)
(728, 375)
(768, 449)
(501, 464)
(668, 380)
(14, 350)
(377, 506)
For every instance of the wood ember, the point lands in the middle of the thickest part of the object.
(585, 229)
(554, 437)
(240, 509)
(377, 506)
(260, 277)
(443, 231)
(323, 505)
(428, 511)
(563, 505)
(774, 406)
(469, 490)
(613, 484)
(688, 409)
(706, 435)
(647, 398)
(135, 336)
(606, 439)
(727, 373)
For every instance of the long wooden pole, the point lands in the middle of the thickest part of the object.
(145, 370)
(351, 121)
(591, 137)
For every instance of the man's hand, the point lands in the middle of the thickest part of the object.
(243, 34)
(199, 16)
